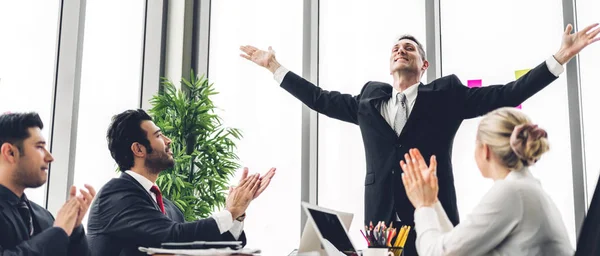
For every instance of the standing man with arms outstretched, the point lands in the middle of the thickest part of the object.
(410, 114)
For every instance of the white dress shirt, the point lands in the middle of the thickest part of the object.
(515, 217)
(223, 218)
(389, 108)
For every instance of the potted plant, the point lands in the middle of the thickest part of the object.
(202, 148)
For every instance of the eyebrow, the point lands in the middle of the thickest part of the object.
(41, 142)
(156, 132)
(405, 44)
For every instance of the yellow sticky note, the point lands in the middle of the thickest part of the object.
(520, 73)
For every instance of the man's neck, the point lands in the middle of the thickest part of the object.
(16, 189)
(403, 81)
(146, 173)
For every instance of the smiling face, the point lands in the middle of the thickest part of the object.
(407, 57)
(160, 157)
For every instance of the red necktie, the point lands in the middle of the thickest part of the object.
(159, 200)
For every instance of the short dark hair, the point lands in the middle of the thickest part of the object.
(419, 45)
(14, 128)
(124, 130)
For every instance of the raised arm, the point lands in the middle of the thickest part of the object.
(473, 102)
(330, 103)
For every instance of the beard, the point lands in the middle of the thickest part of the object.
(158, 161)
(29, 177)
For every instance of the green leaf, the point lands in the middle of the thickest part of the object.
(198, 182)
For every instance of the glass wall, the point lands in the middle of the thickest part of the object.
(355, 42)
(110, 82)
(268, 117)
(490, 41)
(27, 63)
(590, 81)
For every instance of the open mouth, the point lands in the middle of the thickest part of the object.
(45, 169)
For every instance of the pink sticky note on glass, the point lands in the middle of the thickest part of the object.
(474, 83)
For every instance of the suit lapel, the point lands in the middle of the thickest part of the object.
(379, 97)
(14, 219)
(141, 188)
(424, 99)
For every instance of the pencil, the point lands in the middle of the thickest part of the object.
(400, 236)
(405, 236)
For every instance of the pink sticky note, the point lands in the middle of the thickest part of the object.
(519, 107)
(474, 83)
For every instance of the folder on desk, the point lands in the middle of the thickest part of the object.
(203, 245)
(200, 252)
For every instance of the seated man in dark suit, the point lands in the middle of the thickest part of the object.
(130, 211)
(25, 227)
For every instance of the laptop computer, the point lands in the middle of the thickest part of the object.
(325, 232)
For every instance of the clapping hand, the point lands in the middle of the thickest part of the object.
(420, 181)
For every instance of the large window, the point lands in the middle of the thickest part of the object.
(268, 117)
(590, 89)
(356, 38)
(27, 63)
(490, 41)
(110, 82)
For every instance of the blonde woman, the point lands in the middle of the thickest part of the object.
(515, 217)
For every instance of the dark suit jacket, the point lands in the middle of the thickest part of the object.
(46, 239)
(589, 236)
(439, 109)
(124, 217)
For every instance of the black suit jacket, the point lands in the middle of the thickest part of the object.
(124, 217)
(439, 109)
(589, 236)
(46, 239)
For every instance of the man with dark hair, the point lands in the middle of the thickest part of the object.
(130, 211)
(409, 114)
(25, 227)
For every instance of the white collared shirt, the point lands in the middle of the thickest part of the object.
(389, 108)
(223, 218)
(515, 217)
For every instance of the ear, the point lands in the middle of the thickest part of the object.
(425, 65)
(8, 152)
(138, 149)
(487, 153)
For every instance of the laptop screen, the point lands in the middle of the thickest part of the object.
(331, 229)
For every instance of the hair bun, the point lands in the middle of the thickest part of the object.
(529, 142)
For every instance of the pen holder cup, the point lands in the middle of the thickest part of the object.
(397, 251)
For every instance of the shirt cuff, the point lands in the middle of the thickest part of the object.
(237, 229)
(555, 68)
(224, 220)
(426, 219)
(280, 74)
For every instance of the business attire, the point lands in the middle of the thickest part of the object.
(27, 229)
(424, 116)
(589, 236)
(516, 217)
(129, 212)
